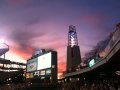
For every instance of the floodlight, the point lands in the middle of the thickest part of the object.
(2, 41)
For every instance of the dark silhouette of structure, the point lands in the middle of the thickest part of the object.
(73, 51)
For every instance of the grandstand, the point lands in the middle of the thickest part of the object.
(10, 71)
(10, 65)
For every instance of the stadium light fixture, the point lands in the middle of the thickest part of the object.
(2, 41)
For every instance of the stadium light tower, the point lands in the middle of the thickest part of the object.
(2, 41)
(3, 50)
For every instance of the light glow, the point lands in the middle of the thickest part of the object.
(2, 41)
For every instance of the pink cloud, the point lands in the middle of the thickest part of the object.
(93, 20)
(25, 54)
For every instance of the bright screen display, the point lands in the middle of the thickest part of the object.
(91, 63)
(44, 61)
(32, 65)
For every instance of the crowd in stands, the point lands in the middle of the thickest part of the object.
(101, 84)
(106, 84)
(44, 86)
(13, 86)
(30, 86)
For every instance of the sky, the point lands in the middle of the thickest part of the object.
(30, 24)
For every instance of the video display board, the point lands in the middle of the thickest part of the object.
(91, 63)
(42, 66)
(44, 61)
(32, 65)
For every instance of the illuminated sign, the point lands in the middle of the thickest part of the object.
(44, 61)
(27, 75)
(91, 63)
(42, 72)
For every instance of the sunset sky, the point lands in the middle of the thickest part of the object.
(29, 24)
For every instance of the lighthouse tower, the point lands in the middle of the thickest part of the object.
(73, 51)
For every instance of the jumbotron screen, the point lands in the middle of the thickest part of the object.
(32, 65)
(44, 61)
